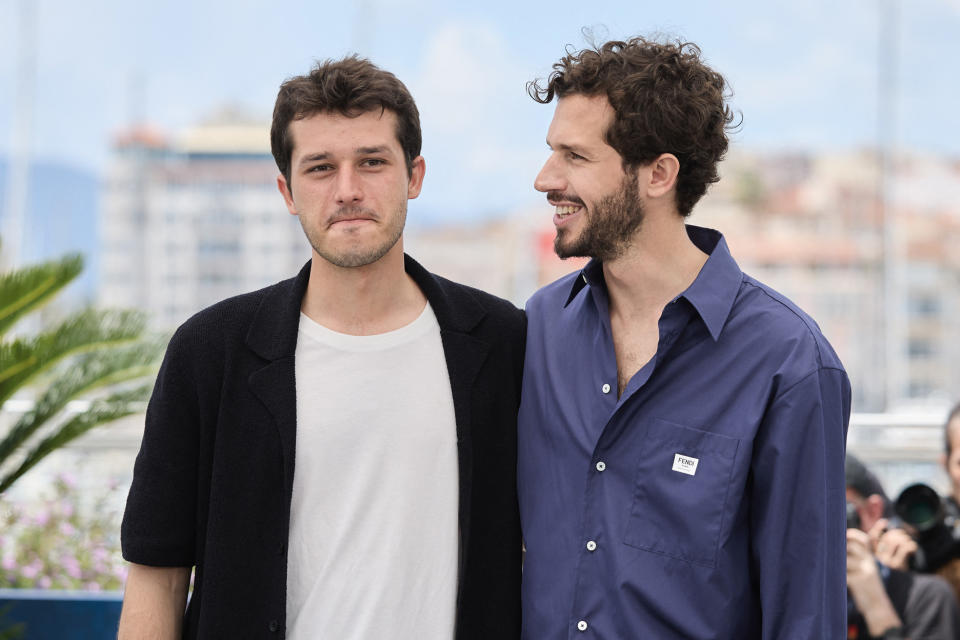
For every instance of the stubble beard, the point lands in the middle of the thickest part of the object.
(610, 227)
(351, 257)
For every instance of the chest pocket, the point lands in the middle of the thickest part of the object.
(680, 492)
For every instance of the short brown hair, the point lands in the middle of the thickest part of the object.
(665, 100)
(351, 86)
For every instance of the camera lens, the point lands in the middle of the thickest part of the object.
(919, 506)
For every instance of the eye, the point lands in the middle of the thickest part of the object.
(318, 168)
(574, 156)
(373, 162)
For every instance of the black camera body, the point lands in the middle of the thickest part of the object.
(853, 518)
(936, 530)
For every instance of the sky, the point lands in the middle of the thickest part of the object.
(804, 75)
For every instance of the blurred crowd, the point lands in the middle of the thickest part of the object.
(903, 555)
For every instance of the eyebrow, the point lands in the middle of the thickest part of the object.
(363, 151)
(314, 157)
(561, 146)
(370, 150)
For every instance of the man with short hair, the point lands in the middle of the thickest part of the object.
(682, 426)
(335, 455)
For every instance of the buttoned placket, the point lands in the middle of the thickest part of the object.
(585, 598)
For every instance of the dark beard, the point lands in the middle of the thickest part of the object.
(610, 227)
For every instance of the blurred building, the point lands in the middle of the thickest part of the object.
(811, 227)
(189, 220)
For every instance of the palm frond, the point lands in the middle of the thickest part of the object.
(26, 289)
(22, 359)
(88, 372)
(117, 405)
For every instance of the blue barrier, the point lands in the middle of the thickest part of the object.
(61, 615)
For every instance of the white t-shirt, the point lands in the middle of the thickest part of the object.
(374, 538)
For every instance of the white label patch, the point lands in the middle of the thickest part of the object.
(685, 464)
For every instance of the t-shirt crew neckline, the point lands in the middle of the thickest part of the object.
(376, 342)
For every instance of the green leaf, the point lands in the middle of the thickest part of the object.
(26, 289)
(22, 359)
(86, 373)
(117, 405)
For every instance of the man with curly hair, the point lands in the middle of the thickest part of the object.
(682, 426)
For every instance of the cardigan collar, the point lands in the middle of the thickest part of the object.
(273, 331)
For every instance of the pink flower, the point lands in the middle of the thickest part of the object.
(93, 586)
(9, 562)
(44, 582)
(71, 566)
(30, 571)
(67, 529)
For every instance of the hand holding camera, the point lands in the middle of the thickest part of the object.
(893, 547)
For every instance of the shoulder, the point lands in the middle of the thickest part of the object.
(929, 588)
(782, 327)
(223, 323)
(931, 608)
(495, 309)
(553, 296)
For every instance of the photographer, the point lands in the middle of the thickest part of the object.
(885, 602)
(951, 462)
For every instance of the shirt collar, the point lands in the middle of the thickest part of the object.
(713, 291)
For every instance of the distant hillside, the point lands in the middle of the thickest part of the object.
(62, 205)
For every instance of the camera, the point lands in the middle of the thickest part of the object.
(937, 533)
(853, 518)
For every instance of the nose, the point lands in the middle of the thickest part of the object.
(549, 178)
(349, 186)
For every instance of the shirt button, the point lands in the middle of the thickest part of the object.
(591, 546)
(273, 626)
(582, 625)
(605, 388)
(601, 465)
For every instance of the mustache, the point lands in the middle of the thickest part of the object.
(556, 197)
(351, 212)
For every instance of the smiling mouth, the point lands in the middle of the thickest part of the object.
(565, 210)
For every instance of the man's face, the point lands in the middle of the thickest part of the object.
(869, 509)
(349, 185)
(953, 462)
(598, 208)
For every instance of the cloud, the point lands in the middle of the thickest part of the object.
(483, 136)
(466, 77)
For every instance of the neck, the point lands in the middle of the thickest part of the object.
(367, 300)
(660, 264)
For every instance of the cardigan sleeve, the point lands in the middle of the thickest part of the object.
(159, 523)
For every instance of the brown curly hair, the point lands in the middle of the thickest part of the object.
(351, 86)
(665, 99)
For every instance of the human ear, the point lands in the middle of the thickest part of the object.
(662, 176)
(284, 189)
(417, 171)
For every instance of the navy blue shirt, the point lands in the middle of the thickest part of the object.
(708, 500)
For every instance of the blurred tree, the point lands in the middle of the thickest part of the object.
(105, 356)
